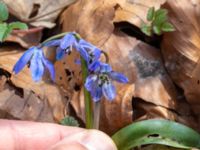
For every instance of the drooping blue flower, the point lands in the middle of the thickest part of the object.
(90, 53)
(100, 82)
(64, 45)
(38, 62)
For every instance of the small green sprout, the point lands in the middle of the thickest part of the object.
(158, 22)
(6, 28)
(69, 121)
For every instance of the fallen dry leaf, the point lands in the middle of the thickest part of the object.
(37, 12)
(181, 49)
(134, 11)
(26, 38)
(24, 107)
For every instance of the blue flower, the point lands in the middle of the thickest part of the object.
(38, 62)
(100, 82)
(90, 54)
(64, 45)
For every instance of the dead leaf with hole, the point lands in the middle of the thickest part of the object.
(45, 89)
(141, 63)
(181, 49)
(38, 12)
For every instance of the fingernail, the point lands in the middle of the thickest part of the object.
(97, 141)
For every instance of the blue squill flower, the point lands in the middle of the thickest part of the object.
(64, 45)
(90, 53)
(38, 62)
(100, 82)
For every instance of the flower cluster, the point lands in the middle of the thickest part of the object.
(98, 83)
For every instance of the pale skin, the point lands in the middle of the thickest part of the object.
(26, 135)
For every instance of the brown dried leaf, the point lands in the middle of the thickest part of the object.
(26, 38)
(44, 89)
(38, 12)
(26, 107)
(181, 49)
(134, 11)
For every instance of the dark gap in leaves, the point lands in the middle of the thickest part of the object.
(198, 82)
(68, 73)
(18, 91)
(69, 79)
(153, 135)
(134, 31)
(35, 10)
(60, 78)
(137, 111)
(51, 32)
(72, 113)
(77, 87)
(5, 73)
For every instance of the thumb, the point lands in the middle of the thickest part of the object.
(86, 140)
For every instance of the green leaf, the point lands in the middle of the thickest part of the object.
(3, 29)
(160, 16)
(157, 30)
(3, 12)
(69, 121)
(150, 14)
(17, 25)
(156, 131)
(167, 27)
(146, 29)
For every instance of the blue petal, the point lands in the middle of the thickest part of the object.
(109, 91)
(53, 43)
(96, 94)
(105, 67)
(90, 82)
(50, 67)
(118, 77)
(67, 40)
(86, 44)
(37, 68)
(94, 66)
(60, 53)
(83, 53)
(23, 60)
(97, 53)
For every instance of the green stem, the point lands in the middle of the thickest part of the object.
(97, 112)
(54, 37)
(88, 101)
(87, 97)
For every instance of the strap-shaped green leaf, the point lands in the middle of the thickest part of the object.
(12, 26)
(167, 27)
(150, 14)
(3, 29)
(160, 17)
(18, 25)
(157, 29)
(156, 131)
(3, 12)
